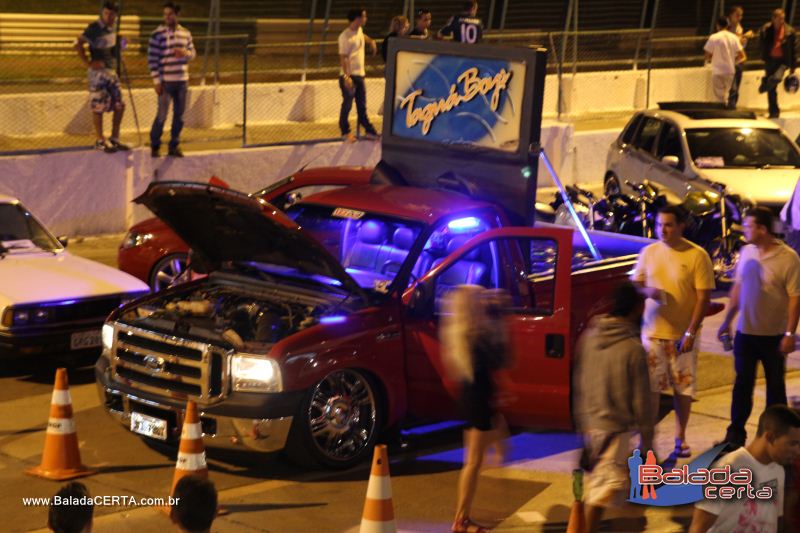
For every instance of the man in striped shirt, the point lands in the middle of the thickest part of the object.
(169, 53)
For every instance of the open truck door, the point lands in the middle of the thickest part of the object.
(535, 389)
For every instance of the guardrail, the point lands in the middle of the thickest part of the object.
(250, 93)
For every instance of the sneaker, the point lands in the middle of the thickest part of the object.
(762, 88)
(103, 146)
(372, 136)
(155, 152)
(349, 138)
(175, 152)
(118, 145)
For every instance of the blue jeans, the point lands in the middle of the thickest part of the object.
(175, 91)
(774, 69)
(733, 95)
(360, 95)
(748, 350)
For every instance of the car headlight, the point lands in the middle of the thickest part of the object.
(133, 239)
(255, 374)
(107, 336)
(17, 317)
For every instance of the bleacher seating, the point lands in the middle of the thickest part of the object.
(19, 30)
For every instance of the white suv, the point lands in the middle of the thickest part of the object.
(685, 147)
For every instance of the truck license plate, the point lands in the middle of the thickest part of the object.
(149, 426)
(85, 339)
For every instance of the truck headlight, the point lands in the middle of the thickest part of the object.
(107, 336)
(255, 374)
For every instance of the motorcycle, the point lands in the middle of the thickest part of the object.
(713, 218)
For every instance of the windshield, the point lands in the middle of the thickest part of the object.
(741, 148)
(371, 247)
(19, 231)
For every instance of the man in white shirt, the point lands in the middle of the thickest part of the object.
(777, 444)
(676, 277)
(724, 51)
(735, 15)
(351, 77)
(766, 294)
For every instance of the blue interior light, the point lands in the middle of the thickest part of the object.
(335, 319)
(464, 224)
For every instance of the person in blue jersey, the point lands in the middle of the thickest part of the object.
(106, 97)
(466, 27)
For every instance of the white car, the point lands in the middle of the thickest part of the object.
(51, 300)
(687, 147)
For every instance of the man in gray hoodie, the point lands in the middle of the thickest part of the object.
(612, 400)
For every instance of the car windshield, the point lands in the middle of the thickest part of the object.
(370, 247)
(20, 232)
(741, 147)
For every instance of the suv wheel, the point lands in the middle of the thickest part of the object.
(612, 186)
(338, 422)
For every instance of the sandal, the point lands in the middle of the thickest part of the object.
(682, 449)
(467, 526)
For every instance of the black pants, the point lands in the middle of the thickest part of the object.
(774, 69)
(733, 95)
(360, 96)
(748, 350)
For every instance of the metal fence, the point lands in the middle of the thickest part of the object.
(257, 94)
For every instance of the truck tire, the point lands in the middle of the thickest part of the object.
(338, 422)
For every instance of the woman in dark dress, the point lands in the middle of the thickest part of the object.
(399, 27)
(474, 346)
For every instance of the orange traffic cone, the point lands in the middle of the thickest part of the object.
(191, 452)
(378, 515)
(61, 459)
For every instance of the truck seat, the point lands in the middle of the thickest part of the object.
(392, 257)
(469, 270)
(365, 252)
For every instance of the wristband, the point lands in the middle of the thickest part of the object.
(789, 334)
(689, 334)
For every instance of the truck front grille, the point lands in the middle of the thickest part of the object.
(169, 366)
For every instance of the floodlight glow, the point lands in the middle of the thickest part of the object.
(336, 319)
(462, 224)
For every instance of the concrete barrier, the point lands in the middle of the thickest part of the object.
(89, 193)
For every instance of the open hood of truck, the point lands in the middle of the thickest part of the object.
(225, 225)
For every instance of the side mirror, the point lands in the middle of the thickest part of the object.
(671, 161)
(420, 303)
(63, 239)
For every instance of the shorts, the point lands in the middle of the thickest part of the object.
(670, 370)
(104, 90)
(607, 484)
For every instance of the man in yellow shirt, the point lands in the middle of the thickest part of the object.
(676, 277)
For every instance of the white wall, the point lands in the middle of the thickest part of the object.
(88, 192)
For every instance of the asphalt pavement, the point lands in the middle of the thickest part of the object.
(530, 491)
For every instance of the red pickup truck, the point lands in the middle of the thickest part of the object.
(317, 329)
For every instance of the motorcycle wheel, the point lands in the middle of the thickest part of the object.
(612, 186)
(725, 263)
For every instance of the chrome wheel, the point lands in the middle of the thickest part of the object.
(342, 416)
(166, 271)
(724, 263)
